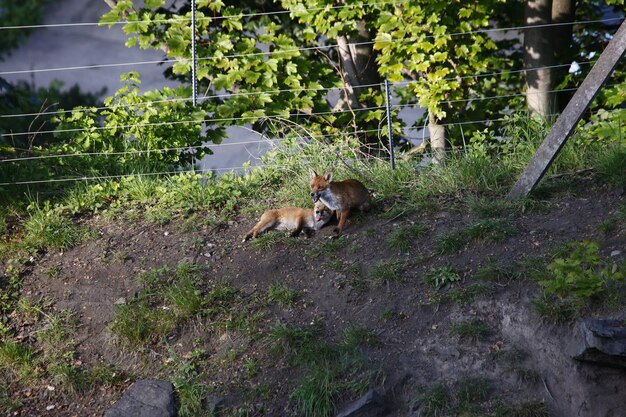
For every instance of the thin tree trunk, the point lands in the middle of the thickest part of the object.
(437, 139)
(538, 54)
(358, 66)
(349, 94)
(358, 69)
(563, 11)
(111, 3)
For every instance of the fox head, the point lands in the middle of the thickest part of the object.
(319, 184)
(321, 213)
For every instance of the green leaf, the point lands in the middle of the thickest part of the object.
(153, 4)
(181, 67)
(111, 17)
(176, 43)
(291, 68)
(272, 64)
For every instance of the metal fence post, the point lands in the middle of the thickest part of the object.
(194, 82)
(389, 129)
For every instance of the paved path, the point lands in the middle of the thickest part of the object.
(74, 46)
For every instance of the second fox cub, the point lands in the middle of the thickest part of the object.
(341, 196)
(292, 218)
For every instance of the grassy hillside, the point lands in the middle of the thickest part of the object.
(447, 298)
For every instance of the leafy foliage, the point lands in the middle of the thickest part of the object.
(582, 274)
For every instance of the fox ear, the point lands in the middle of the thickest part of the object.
(312, 173)
(329, 176)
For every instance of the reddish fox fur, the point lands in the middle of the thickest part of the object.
(341, 196)
(295, 219)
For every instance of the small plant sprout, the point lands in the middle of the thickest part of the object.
(440, 277)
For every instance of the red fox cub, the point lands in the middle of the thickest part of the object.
(340, 196)
(292, 218)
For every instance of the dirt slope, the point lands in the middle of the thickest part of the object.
(521, 355)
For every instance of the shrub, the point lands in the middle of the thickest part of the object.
(582, 274)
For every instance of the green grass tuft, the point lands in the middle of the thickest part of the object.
(282, 295)
(473, 390)
(18, 361)
(330, 370)
(465, 295)
(493, 230)
(493, 271)
(317, 393)
(450, 242)
(140, 323)
(474, 329)
(268, 240)
(386, 271)
(611, 164)
(433, 402)
(402, 236)
(530, 409)
(49, 229)
(556, 310)
(185, 296)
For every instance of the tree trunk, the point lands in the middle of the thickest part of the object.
(437, 139)
(358, 66)
(538, 54)
(357, 69)
(111, 3)
(563, 11)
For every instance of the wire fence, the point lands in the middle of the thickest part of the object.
(321, 89)
(389, 109)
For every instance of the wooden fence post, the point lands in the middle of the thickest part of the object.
(565, 124)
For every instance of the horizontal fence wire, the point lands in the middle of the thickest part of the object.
(221, 120)
(266, 140)
(166, 173)
(177, 149)
(235, 119)
(139, 174)
(289, 90)
(260, 141)
(276, 52)
(283, 12)
(201, 19)
(205, 121)
(163, 173)
(201, 98)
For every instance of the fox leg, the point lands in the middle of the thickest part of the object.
(252, 233)
(296, 232)
(342, 217)
(259, 228)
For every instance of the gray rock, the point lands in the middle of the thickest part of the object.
(369, 405)
(601, 341)
(213, 404)
(146, 398)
